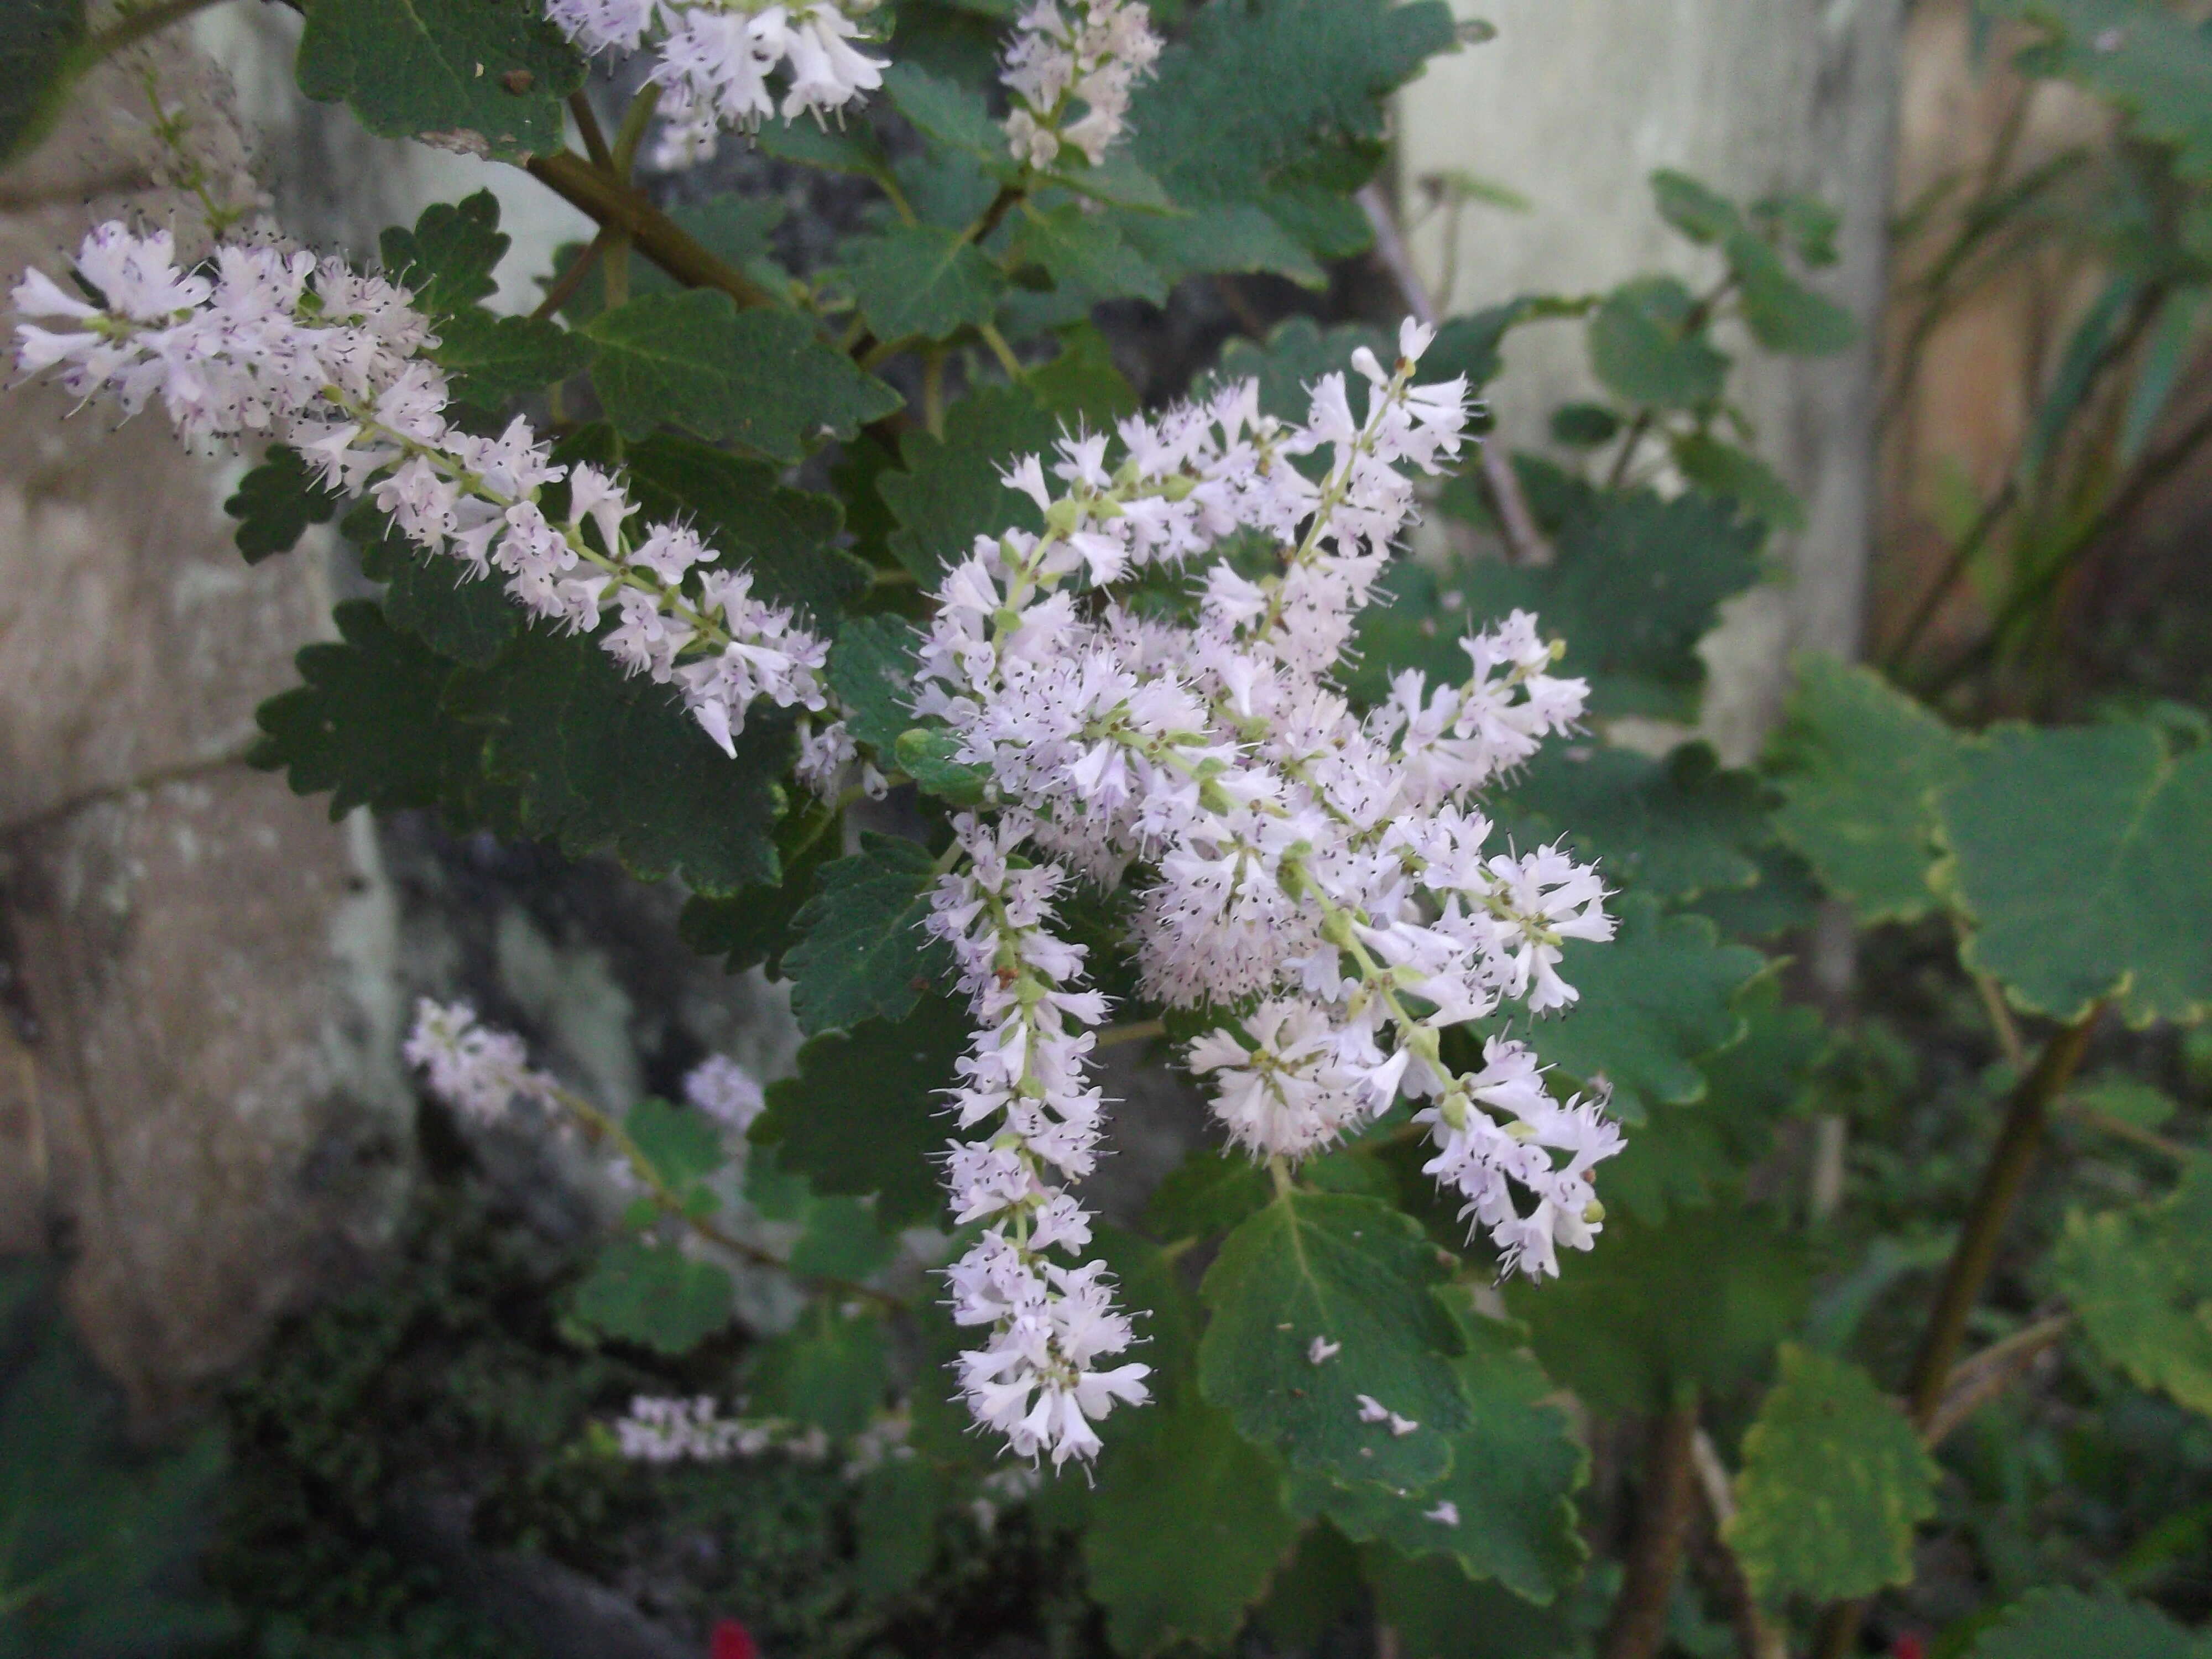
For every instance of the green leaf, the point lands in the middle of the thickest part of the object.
(1298, 352)
(2082, 859)
(1781, 312)
(1698, 212)
(753, 927)
(603, 762)
(1225, 237)
(786, 537)
(1186, 1528)
(1721, 469)
(2155, 63)
(1704, 1299)
(368, 725)
(1642, 346)
(763, 379)
(1804, 224)
(1253, 92)
(841, 1239)
(1437, 1613)
(1350, 1271)
(1117, 181)
(830, 1369)
(467, 619)
(1317, 1588)
(1834, 1481)
(1086, 256)
(682, 1146)
(950, 491)
(1473, 345)
(446, 261)
(1082, 386)
(1858, 763)
(1672, 827)
(952, 114)
(1514, 1470)
(2065, 1623)
(871, 672)
(481, 76)
(35, 54)
(1584, 426)
(492, 358)
(920, 281)
(2142, 1282)
(861, 951)
(861, 1115)
(1654, 998)
(656, 1296)
(895, 1526)
(929, 758)
(275, 503)
(1206, 1193)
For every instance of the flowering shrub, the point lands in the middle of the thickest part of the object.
(1060, 725)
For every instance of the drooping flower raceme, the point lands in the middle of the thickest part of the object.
(1070, 55)
(1330, 872)
(716, 58)
(273, 343)
(478, 1071)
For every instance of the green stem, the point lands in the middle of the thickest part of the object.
(570, 280)
(631, 133)
(1138, 1030)
(1971, 1258)
(1664, 1505)
(1003, 352)
(618, 206)
(587, 124)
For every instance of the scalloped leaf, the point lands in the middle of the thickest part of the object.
(1357, 1273)
(656, 1296)
(487, 75)
(2080, 859)
(861, 952)
(275, 503)
(2141, 1281)
(920, 281)
(1858, 763)
(861, 1114)
(1834, 1481)
(1185, 1530)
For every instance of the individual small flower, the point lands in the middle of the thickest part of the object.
(1321, 1350)
(1446, 1514)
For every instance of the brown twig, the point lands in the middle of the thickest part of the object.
(570, 280)
(1524, 541)
(1754, 1635)
(70, 806)
(619, 207)
(1976, 1381)
(1664, 1506)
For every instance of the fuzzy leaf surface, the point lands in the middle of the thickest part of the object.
(487, 75)
(1833, 1482)
(1186, 1528)
(1673, 828)
(948, 490)
(2065, 1623)
(760, 378)
(861, 1115)
(275, 503)
(601, 761)
(920, 281)
(656, 1296)
(368, 725)
(2081, 859)
(445, 260)
(1355, 1272)
(1514, 1471)
(1859, 763)
(1643, 349)
(469, 620)
(861, 951)
(872, 671)
(492, 358)
(2141, 1280)
(1658, 995)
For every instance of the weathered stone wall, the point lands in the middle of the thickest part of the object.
(1574, 104)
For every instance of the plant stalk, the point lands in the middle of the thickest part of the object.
(1663, 1510)
(654, 233)
(2026, 1117)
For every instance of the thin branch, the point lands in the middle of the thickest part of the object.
(1664, 1505)
(1976, 1381)
(135, 27)
(657, 236)
(599, 1126)
(587, 124)
(1756, 1637)
(570, 280)
(2120, 1129)
(62, 810)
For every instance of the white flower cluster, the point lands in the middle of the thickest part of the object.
(716, 57)
(1070, 52)
(1036, 1380)
(1326, 872)
(726, 1093)
(659, 1430)
(273, 343)
(477, 1071)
